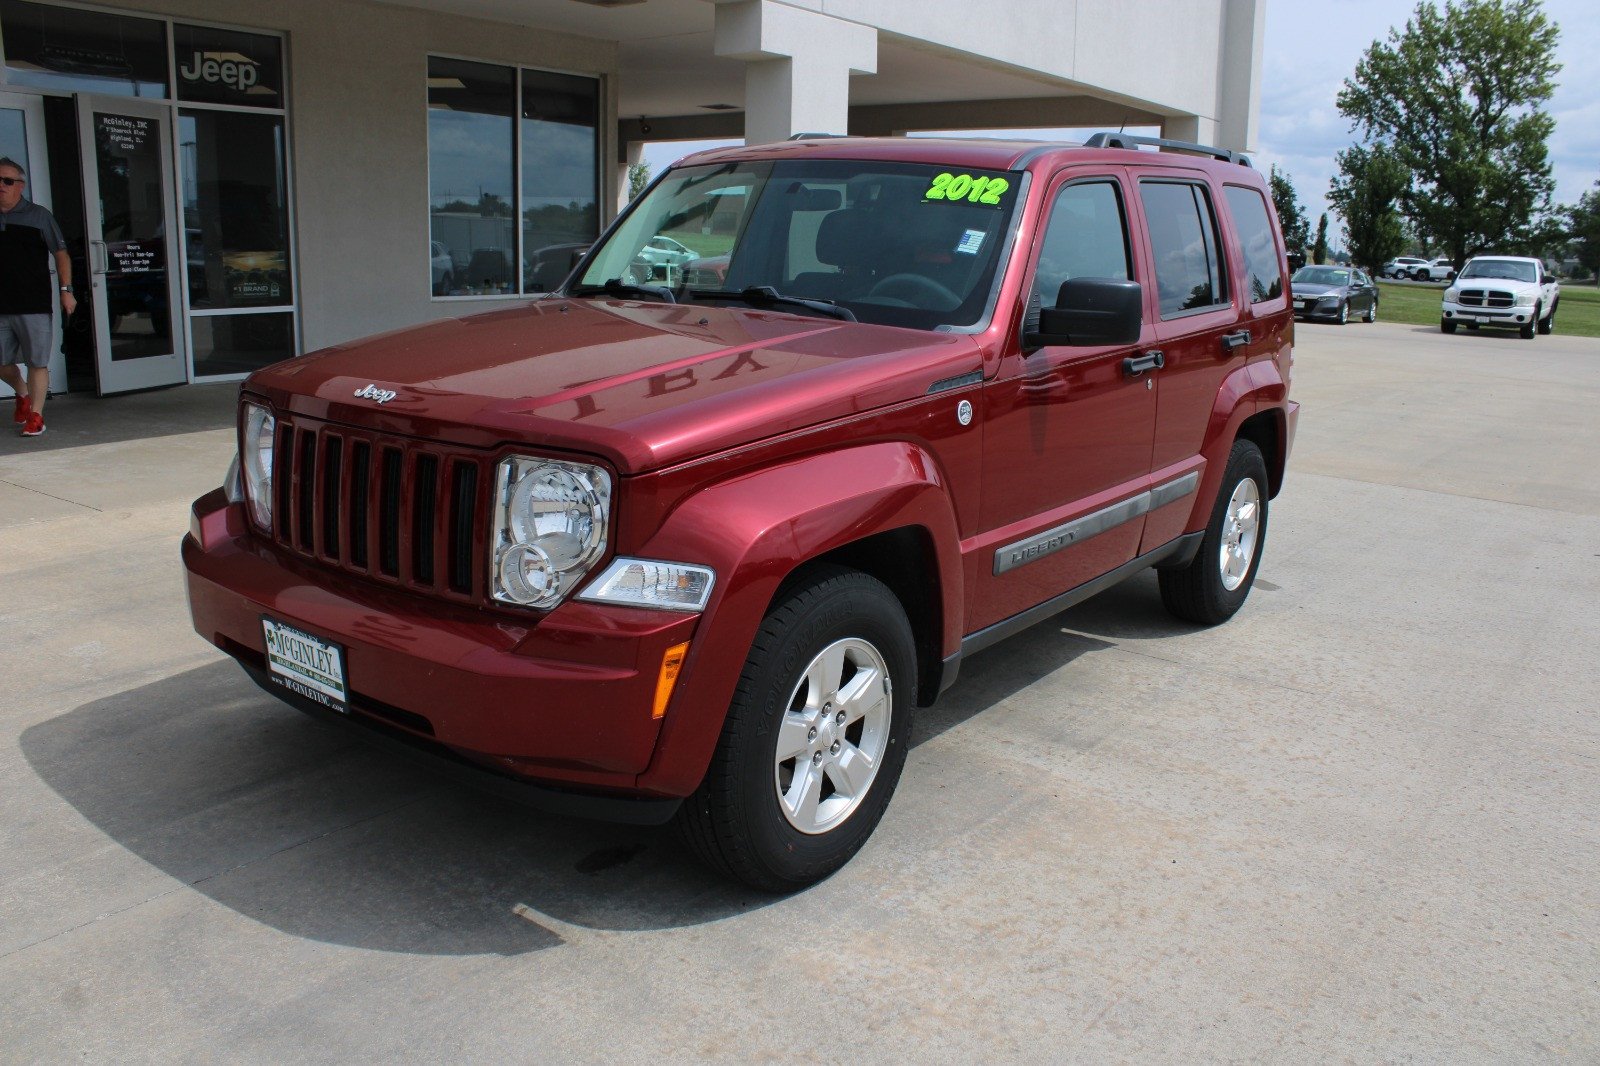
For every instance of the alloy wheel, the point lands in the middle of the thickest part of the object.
(833, 736)
(1240, 532)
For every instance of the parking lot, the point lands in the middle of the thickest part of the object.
(1357, 822)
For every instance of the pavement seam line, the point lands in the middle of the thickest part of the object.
(41, 492)
(1446, 492)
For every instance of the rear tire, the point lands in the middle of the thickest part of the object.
(1372, 312)
(1230, 553)
(833, 664)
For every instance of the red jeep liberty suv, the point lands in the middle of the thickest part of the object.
(692, 536)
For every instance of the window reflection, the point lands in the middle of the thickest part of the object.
(238, 344)
(560, 173)
(470, 192)
(83, 51)
(234, 209)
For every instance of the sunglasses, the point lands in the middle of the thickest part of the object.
(8, 182)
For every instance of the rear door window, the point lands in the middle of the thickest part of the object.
(1190, 276)
(1263, 269)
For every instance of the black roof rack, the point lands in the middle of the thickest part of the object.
(1131, 140)
(814, 136)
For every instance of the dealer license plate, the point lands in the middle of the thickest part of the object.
(305, 665)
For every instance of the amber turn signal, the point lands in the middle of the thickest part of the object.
(671, 666)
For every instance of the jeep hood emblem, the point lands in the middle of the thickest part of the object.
(372, 392)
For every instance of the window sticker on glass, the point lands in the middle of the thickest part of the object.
(970, 242)
(975, 190)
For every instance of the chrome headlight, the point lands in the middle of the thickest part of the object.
(1526, 299)
(260, 428)
(550, 527)
(1452, 294)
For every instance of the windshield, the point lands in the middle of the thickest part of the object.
(1507, 269)
(1321, 276)
(897, 244)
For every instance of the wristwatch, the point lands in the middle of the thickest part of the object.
(66, 288)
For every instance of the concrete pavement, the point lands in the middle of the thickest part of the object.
(1358, 822)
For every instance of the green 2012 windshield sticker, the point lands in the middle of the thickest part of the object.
(966, 187)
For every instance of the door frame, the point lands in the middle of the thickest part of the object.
(32, 108)
(144, 372)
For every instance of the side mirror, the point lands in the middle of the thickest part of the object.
(1091, 312)
(577, 255)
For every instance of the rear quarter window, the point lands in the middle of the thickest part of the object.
(1263, 267)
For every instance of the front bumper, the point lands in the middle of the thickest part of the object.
(1314, 307)
(563, 699)
(1515, 317)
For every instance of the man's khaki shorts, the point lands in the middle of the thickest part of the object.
(25, 339)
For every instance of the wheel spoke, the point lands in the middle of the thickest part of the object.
(863, 694)
(805, 792)
(794, 740)
(851, 771)
(1247, 514)
(824, 675)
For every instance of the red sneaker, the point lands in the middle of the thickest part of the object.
(34, 426)
(22, 409)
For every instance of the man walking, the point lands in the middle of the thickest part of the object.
(28, 237)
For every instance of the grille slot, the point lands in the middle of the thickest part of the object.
(389, 514)
(463, 508)
(360, 500)
(332, 469)
(424, 503)
(402, 511)
(1486, 298)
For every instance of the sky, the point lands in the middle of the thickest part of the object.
(1312, 47)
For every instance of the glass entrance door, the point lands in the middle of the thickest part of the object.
(134, 264)
(22, 139)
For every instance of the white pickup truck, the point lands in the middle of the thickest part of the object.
(1502, 290)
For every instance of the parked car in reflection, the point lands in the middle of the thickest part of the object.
(547, 267)
(1333, 293)
(444, 268)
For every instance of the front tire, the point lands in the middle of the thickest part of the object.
(1547, 325)
(1446, 326)
(1531, 330)
(1214, 585)
(815, 737)
(1344, 312)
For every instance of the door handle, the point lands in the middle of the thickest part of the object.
(1232, 342)
(97, 257)
(1134, 365)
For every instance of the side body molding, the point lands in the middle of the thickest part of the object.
(757, 528)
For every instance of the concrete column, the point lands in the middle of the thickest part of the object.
(632, 153)
(797, 78)
(1195, 129)
(1244, 31)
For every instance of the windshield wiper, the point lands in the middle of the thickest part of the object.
(767, 296)
(618, 287)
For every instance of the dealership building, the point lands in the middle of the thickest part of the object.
(240, 182)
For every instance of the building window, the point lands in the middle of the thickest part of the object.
(235, 209)
(509, 201)
(70, 50)
(238, 344)
(228, 67)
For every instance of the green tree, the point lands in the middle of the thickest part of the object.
(1319, 247)
(1457, 96)
(638, 178)
(1583, 229)
(1291, 214)
(1367, 193)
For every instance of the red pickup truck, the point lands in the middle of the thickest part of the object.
(695, 548)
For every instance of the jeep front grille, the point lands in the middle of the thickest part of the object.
(1486, 298)
(404, 512)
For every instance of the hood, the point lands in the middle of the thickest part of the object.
(1306, 288)
(1503, 284)
(643, 385)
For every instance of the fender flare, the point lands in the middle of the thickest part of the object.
(1245, 392)
(755, 530)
